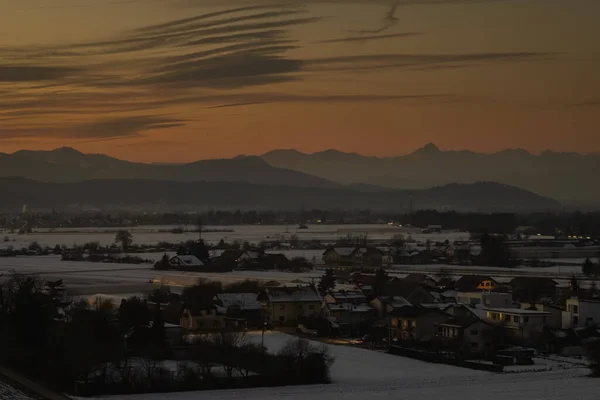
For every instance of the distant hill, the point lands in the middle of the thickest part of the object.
(68, 165)
(169, 195)
(564, 176)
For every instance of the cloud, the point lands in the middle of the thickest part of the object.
(33, 73)
(101, 129)
(366, 38)
(379, 61)
(388, 21)
(223, 59)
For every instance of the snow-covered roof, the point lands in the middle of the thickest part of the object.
(253, 254)
(345, 296)
(286, 294)
(243, 301)
(344, 251)
(439, 306)
(517, 311)
(357, 308)
(189, 260)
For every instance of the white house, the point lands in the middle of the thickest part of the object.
(526, 325)
(581, 313)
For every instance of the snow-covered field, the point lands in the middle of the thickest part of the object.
(151, 235)
(360, 374)
(92, 278)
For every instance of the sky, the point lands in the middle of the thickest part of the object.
(182, 80)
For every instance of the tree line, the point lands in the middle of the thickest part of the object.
(567, 223)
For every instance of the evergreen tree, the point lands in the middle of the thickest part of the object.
(381, 278)
(125, 239)
(163, 264)
(327, 282)
(587, 267)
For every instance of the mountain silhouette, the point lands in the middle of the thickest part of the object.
(563, 176)
(66, 165)
(156, 195)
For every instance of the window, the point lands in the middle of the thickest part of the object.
(311, 307)
(517, 319)
(474, 345)
(575, 309)
(507, 318)
(544, 319)
(474, 332)
(575, 320)
(525, 319)
(413, 324)
(281, 318)
(282, 307)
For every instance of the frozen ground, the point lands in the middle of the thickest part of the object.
(93, 278)
(360, 374)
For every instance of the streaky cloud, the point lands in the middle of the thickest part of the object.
(367, 38)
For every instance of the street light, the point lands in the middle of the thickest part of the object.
(262, 339)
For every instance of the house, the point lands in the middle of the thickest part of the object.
(386, 304)
(348, 316)
(286, 305)
(527, 326)
(581, 313)
(248, 255)
(432, 229)
(443, 296)
(371, 257)
(173, 334)
(473, 283)
(205, 318)
(466, 336)
(341, 297)
(187, 261)
(487, 299)
(554, 319)
(275, 261)
(342, 256)
(244, 307)
(531, 289)
(421, 279)
(415, 323)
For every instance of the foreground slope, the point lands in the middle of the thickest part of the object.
(165, 195)
(360, 374)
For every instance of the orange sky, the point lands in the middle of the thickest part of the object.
(182, 80)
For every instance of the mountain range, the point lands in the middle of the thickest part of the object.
(280, 180)
(142, 194)
(66, 165)
(567, 177)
